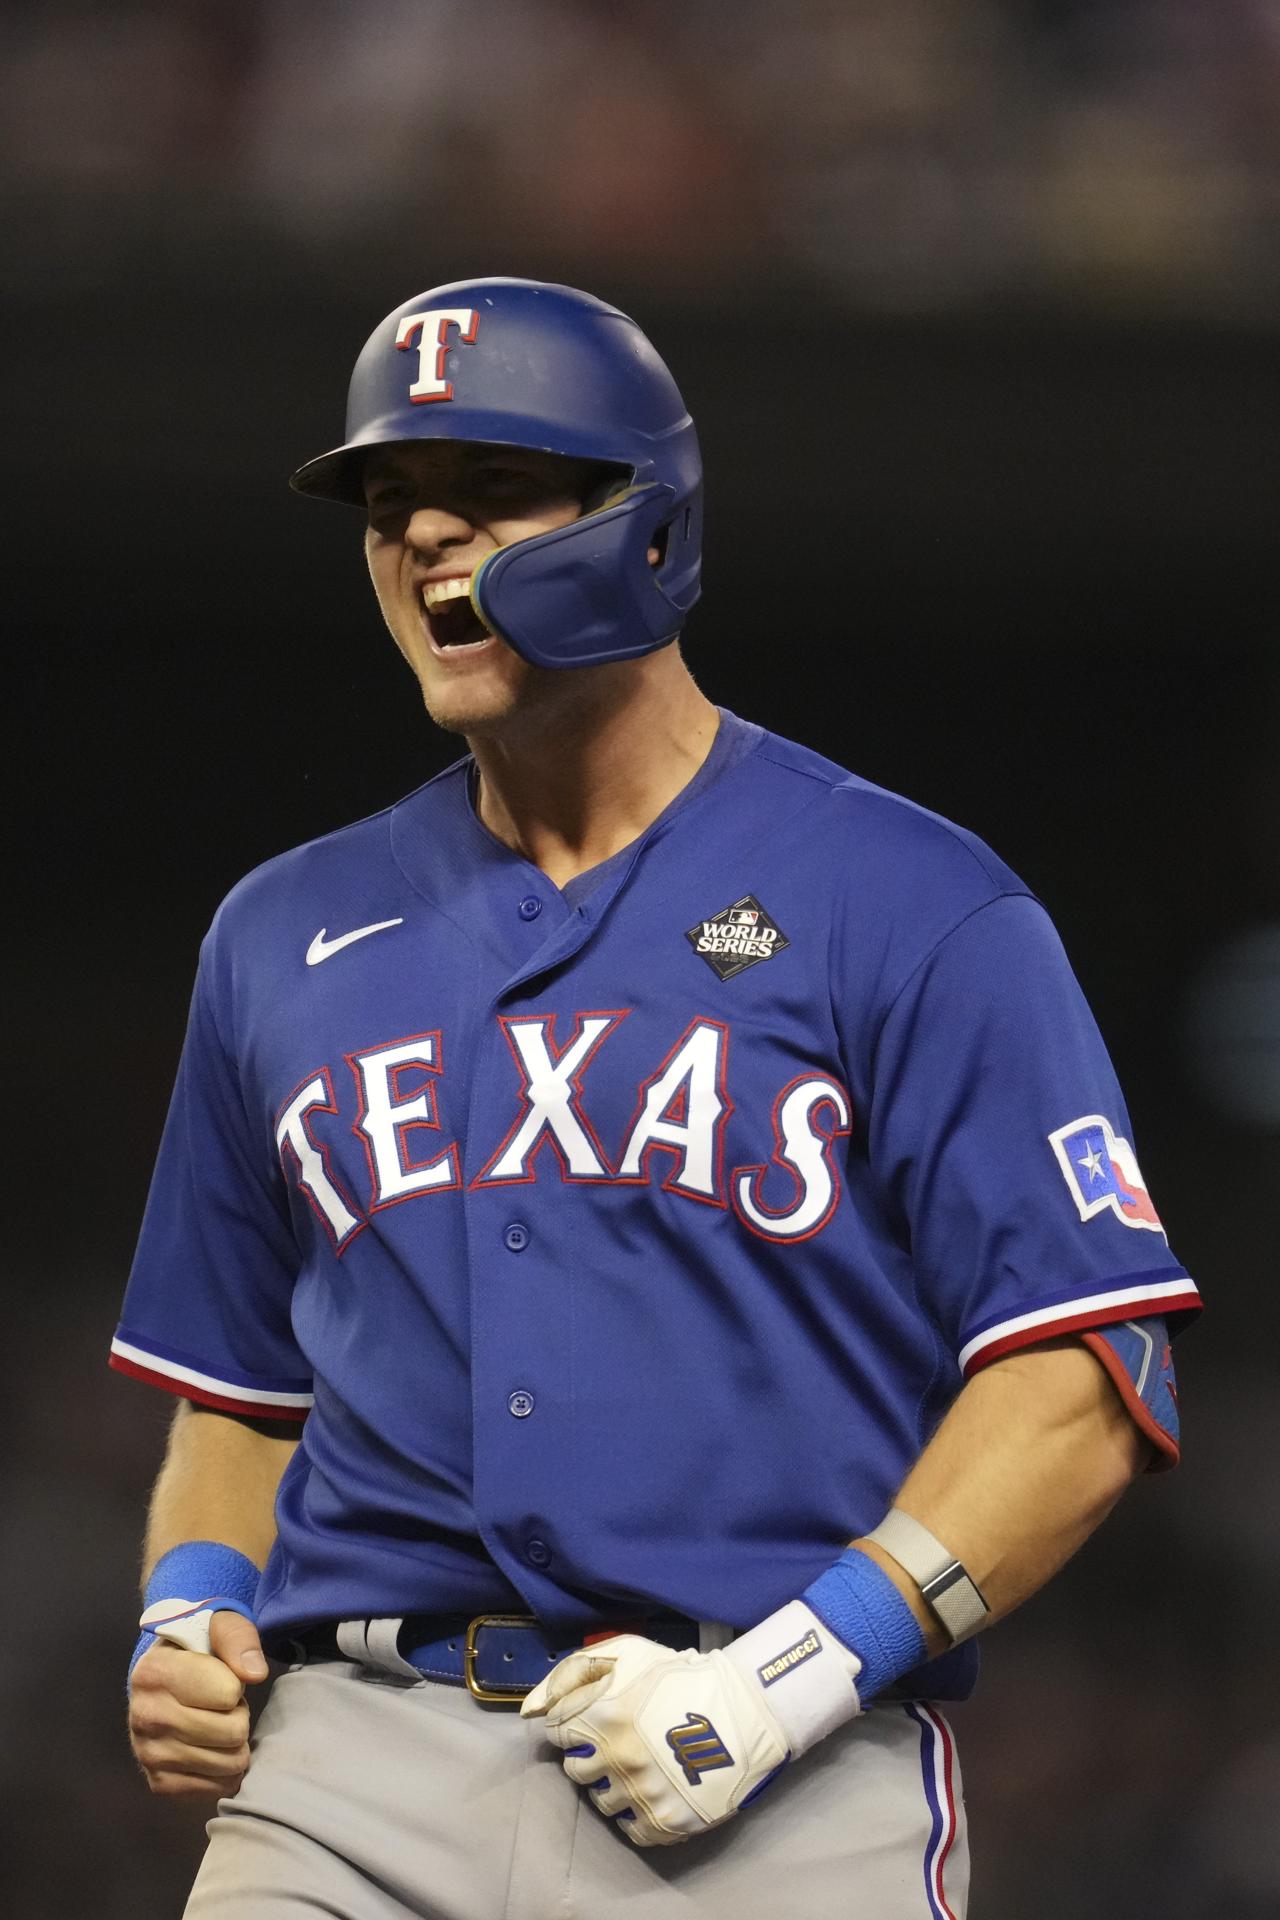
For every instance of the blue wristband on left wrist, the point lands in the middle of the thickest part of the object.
(200, 1570)
(859, 1603)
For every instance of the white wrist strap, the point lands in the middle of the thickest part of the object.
(807, 1676)
(948, 1590)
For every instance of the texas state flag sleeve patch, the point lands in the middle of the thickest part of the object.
(1102, 1172)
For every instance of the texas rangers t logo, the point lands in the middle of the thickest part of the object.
(1101, 1171)
(430, 330)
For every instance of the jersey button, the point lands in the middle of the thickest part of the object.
(517, 1236)
(520, 1404)
(537, 1553)
(530, 907)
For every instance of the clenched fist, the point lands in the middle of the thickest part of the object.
(673, 1744)
(188, 1719)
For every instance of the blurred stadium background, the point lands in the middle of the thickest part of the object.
(976, 304)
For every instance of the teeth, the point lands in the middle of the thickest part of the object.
(437, 593)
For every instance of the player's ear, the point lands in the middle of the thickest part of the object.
(658, 551)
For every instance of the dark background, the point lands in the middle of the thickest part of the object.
(975, 309)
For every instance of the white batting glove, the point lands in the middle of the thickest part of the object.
(675, 1743)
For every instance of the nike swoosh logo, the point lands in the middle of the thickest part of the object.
(322, 949)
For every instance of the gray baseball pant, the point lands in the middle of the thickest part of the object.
(374, 1797)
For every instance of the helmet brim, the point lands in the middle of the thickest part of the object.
(339, 474)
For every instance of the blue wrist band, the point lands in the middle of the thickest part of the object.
(201, 1570)
(861, 1606)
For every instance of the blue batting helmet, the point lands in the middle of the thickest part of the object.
(520, 363)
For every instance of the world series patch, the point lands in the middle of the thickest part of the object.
(737, 937)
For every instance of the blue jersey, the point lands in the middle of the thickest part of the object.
(621, 1247)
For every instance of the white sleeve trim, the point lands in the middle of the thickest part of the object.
(192, 1377)
(1116, 1303)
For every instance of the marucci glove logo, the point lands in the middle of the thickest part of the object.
(737, 937)
(698, 1747)
(784, 1663)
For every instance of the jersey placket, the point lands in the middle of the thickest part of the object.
(521, 1251)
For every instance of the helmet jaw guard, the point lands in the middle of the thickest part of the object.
(587, 593)
(523, 363)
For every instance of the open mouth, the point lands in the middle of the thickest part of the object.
(451, 621)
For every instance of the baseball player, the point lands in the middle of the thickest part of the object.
(646, 1242)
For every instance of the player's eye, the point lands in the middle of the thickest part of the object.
(505, 480)
(389, 496)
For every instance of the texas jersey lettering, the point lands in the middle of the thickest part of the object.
(682, 1108)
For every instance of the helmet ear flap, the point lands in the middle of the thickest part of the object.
(583, 593)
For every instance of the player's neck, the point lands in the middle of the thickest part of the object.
(567, 795)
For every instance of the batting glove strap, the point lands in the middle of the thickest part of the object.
(859, 1604)
(805, 1673)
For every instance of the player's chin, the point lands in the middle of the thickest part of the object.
(475, 706)
(478, 694)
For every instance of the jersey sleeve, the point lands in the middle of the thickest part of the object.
(207, 1308)
(999, 1139)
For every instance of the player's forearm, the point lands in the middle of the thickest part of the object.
(218, 1482)
(1031, 1458)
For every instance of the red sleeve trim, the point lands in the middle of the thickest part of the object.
(1090, 1313)
(221, 1402)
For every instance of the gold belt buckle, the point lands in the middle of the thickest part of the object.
(469, 1656)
